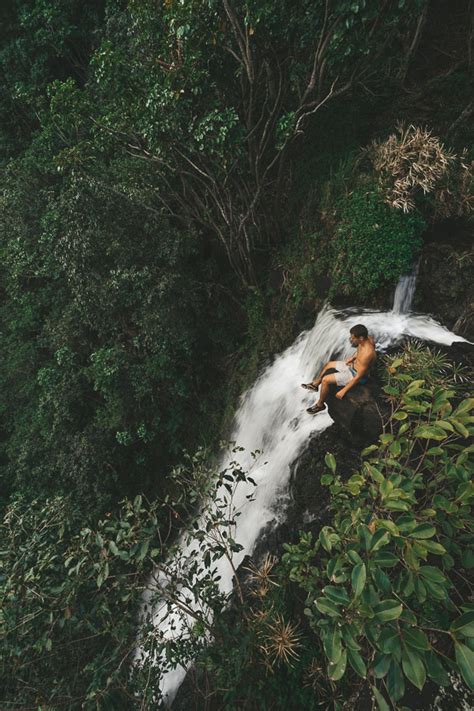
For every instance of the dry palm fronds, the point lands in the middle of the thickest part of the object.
(455, 197)
(280, 642)
(410, 160)
(261, 577)
(260, 616)
(314, 673)
(413, 160)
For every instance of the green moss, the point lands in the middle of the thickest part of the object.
(373, 244)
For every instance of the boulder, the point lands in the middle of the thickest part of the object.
(358, 414)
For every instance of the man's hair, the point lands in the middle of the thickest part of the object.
(359, 331)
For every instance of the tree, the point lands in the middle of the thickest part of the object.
(214, 96)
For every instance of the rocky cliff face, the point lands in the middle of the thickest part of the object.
(445, 286)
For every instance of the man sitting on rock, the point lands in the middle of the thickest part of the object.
(348, 373)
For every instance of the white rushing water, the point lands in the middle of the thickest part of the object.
(272, 418)
(405, 291)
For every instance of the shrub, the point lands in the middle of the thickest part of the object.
(72, 592)
(388, 583)
(373, 244)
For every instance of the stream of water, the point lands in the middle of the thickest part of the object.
(272, 418)
(405, 291)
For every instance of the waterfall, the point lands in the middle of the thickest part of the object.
(405, 291)
(272, 418)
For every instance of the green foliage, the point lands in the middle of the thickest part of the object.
(71, 591)
(350, 244)
(40, 41)
(255, 315)
(151, 154)
(102, 316)
(213, 96)
(373, 245)
(385, 591)
(148, 156)
(69, 596)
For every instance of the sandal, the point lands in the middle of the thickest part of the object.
(315, 409)
(309, 386)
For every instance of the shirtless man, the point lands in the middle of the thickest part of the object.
(349, 373)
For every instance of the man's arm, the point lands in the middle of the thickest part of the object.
(351, 359)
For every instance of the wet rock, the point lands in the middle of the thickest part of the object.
(359, 414)
(445, 285)
(462, 353)
(309, 499)
(307, 506)
(464, 326)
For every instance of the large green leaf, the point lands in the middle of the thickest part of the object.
(424, 530)
(438, 592)
(388, 610)
(389, 640)
(336, 671)
(434, 575)
(381, 664)
(430, 432)
(375, 473)
(420, 590)
(435, 548)
(460, 428)
(381, 703)
(354, 557)
(385, 559)
(349, 639)
(395, 681)
(379, 539)
(358, 578)
(415, 638)
(464, 407)
(336, 594)
(464, 625)
(465, 660)
(413, 667)
(327, 607)
(400, 415)
(357, 663)
(328, 538)
(382, 581)
(332, 645)
(435, 669)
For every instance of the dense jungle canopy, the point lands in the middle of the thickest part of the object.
(183, 185)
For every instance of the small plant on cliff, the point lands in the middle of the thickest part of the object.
(388, 583)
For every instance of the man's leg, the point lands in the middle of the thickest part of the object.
(317, 381)
(326, 383)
